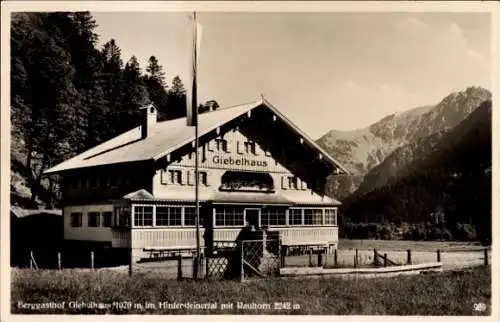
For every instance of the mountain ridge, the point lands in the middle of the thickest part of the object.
(362, 150)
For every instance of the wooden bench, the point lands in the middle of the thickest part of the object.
(320, 249)
(170, 252)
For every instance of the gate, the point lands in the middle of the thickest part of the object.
(243, 259)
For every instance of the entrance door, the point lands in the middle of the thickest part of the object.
(252, 216)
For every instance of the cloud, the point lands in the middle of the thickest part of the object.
(455, 37)
(414, 26)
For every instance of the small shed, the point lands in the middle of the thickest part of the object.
(37, 230)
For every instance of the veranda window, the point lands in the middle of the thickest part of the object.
(313, 217)
(273, 217)
(229, 217)
(143, 216)
(295, 217)
(168, 216)
(330, 216)
(122, 217)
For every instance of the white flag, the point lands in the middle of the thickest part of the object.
(191, 94)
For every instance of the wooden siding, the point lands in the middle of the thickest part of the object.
(186, 237)
(165, 237)
(236, 158)
(210, 163)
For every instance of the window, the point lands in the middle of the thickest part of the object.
(190, 216)
(93, 182)
(175, 176)
(202, 177)
(295, 217)
(250, 147)
(76, 219)
(75, 183)
(168, 216)
(330, 217)
(273, 217)
(229, 217)
(190, 178)
(313, 217)
(143, 216)
(221, 145)
(122, 217)
(93, 218)
(293, 183)
(113, 180)
(107, 218)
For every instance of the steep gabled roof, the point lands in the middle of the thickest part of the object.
(168, 136)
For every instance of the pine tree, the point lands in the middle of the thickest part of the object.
(155, 71)
(176, 99)
(112, 74)
(133, 95)
(155, 83)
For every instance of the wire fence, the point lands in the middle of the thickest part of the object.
(244, 259)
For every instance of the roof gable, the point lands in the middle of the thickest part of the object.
(168, 136)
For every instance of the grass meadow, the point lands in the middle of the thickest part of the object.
(445, 293)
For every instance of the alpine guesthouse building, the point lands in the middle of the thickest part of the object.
(137, 190)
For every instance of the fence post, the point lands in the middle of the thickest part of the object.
(242, 263)
(31, 259)
(59, 260)
(408, 261)
(179, 266)
(356, 259)
(195, 266)
(374, 256)
(283, 254)
(385, 260)
(335, 257)
(439, 255)
(310, 257)
(92, 259)
(486, 257)
(130, 261)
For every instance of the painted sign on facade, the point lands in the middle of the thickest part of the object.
(233, 151)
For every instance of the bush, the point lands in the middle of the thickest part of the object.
(465, 232)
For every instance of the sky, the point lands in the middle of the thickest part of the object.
(324, 71)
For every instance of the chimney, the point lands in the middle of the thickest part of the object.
(148, 120)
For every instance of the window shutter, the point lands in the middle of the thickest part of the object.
(190, 177)
(183, 178)
(284, 182)
(209, 178)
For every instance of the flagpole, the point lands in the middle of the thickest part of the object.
(195, 112)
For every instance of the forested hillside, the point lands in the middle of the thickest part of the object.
(69, 94)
